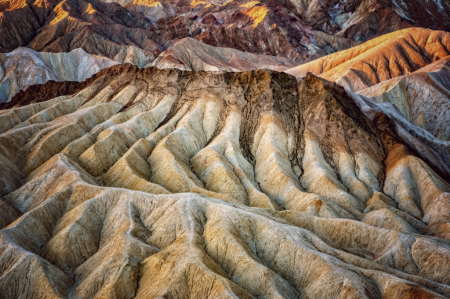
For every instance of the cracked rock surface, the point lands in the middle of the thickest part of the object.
(149, 183)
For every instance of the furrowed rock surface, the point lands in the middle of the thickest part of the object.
(61, 26)
(193, 55)
(24, 67)
(355, 20)
(150, 183)
(383, 58)
(111, 30)
(422, 97)
(407, 73)
(138, 31)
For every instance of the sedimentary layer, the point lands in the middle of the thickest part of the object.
(138, 31)
(24, 67)
(422, 97)
(166, 183)
(193, 55)
(383, 58)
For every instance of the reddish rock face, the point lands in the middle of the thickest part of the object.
(61, 26)
(261, 27)
(380, 59)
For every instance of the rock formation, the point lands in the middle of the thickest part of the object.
(422, 97)
(150, 183)
(62, 26)
(210, 149)
(383, 58)
(24, 67)
(138, 31)
(358, 20)
(408, 72)
(193, 55)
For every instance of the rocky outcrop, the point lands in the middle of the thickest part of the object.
(383, 58)
(434, 151)
(407, 74)
(422, 97)
(193, 55)
(113, 31)
(138, 31)
(357, 20)
(24, 67)
(62, 26)
(362, 20)
(329, 43)
(168, 183)
(51, 89)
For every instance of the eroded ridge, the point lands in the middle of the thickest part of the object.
(165, 183)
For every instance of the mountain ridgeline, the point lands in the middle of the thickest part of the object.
(224, 149)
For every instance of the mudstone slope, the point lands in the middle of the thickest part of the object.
(170, 173)
(408, 72)
(149, 183)
(383, 58)
(24, 67)
(138, 31)
(193, 55)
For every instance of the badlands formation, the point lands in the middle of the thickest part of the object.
(408, 71)
(24, 67)
(193, 55)
(164, 183)
(136, 31)
(213, 149)
(383, 58)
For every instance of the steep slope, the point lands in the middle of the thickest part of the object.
(358, 20)
(380, 59)
(110, 30)
(423, 97)
(190, 54)
(24, 67)
(62, 26)
(365, 19)
(166, 183)
(138, 31)
(329, 43)
(408, 72)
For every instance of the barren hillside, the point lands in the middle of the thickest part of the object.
(262, 149)
(383, 58)
(155, 183)
(24, 67)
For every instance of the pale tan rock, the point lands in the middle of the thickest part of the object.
(165, 183)
(385, 218)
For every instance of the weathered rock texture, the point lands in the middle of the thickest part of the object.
(383, 58)
(358, 20)
(24, 67)
(153, 183)
(407, 72)
(422, 97)
(62, 26)
(193, 55)
(138, 31)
